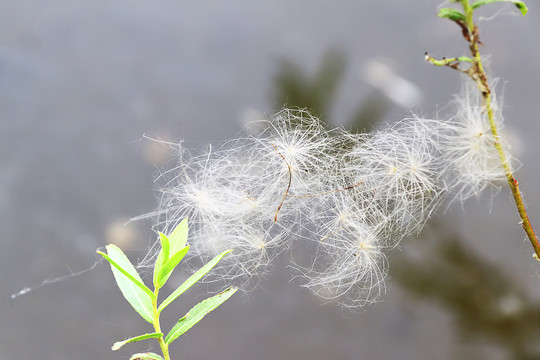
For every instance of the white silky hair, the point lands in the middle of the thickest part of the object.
(354, 197)
(471, 157)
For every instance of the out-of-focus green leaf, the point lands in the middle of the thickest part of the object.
(167, 269)
(451, 14)
(129, 282)
(519, 4)
(117, 345)
(197, 313)
(145, 356)
(191, 280)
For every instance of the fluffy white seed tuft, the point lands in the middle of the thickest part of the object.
(472, 160)
(352, 197)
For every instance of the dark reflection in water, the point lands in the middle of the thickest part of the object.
(294, 87)
(483, 299)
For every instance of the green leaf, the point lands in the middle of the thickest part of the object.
(162, 258)
(197, 313)
(519, 4)
(178, 237)
(165, 247)
(145, 356)
(129, 282)
(167, 269)
(191, 280)
(171, 244)
(119, 261)
(451, 14)
(117, 345)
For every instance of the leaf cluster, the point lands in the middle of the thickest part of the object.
(145, 301)
(458, 16)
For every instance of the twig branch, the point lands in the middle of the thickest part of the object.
(477, 73)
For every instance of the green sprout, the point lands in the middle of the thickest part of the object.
(145, 301)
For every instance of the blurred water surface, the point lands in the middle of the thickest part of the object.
(81, 83)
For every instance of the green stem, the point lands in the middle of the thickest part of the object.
(157, 327)
(478, 74)
(448, 61)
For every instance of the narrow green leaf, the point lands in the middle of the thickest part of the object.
(191, 280)
(519, 4)
(171, 244)
(124, 266)
(145, 356)
(165, 246)
(129, 282)
(162, 258)
(167, 269)
(117, 345)
(197, 313)
(451, 14)
(178, 237)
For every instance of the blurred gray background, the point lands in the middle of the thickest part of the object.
(81, 83)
